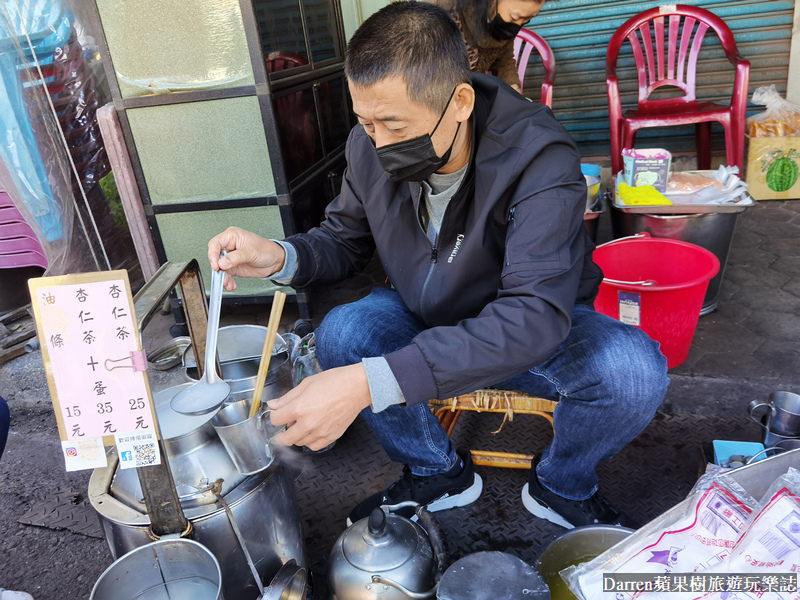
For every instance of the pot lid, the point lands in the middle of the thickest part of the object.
(237, 343)
(196, 457)
(384, 542)
(491, 575)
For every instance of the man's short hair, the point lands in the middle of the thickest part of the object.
(416, 41)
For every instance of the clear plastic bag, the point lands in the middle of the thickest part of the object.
(770, 542)
(782, 118)
(303, 354)
(303, 357)
(52, 157)
(695, 533)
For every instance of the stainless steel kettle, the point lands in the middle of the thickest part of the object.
(388, 557)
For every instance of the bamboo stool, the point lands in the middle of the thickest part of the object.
(495, 401)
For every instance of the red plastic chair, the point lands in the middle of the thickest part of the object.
(25, 258)
(10, 214)
(524, 44)
(666, 42)
(297, 117)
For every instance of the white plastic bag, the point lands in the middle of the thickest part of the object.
(692, 536)
(769, 544)
(782, 118)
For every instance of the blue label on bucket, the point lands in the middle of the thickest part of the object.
(629, 307)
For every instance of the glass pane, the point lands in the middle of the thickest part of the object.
(309, 207)
(299, 131)
(185, 236)
(213, 150)
(281, 29)
(321, 26)
(335, 110)
(160, 46)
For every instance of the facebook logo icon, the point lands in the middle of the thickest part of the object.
(127, 455)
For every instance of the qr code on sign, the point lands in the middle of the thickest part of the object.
(145, 454)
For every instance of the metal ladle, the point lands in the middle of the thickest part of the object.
(209, 392)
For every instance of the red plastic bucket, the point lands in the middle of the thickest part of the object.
(657, 285)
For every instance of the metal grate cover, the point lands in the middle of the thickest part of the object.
(65, 509)
(650, 475)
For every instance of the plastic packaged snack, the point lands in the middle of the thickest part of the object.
(692, 536)
(782, 118)
(770, 544)
(687, 183)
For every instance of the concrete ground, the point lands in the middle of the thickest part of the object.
(746, 349)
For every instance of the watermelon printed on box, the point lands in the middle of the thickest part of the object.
(773, 168)
(782, 172)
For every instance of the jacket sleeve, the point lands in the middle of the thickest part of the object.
(531, 315)
(342, 244)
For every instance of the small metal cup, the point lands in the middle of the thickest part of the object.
(774, 440)
(247, 439)
(782, 412)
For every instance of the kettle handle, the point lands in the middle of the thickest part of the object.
(431, 525)
(404, 590)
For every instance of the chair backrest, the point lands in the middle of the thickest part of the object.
(666, 42)
(280, 61)
(524, 44)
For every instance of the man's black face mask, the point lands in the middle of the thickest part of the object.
(502, 30)
(415, 159)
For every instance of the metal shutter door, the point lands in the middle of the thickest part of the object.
(579, 31)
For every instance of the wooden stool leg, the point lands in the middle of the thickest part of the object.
(448, 419)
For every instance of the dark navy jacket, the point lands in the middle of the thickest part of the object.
(512, 256)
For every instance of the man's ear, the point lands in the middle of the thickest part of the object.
(464, 100)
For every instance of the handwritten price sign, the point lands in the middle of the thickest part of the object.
(94, 365)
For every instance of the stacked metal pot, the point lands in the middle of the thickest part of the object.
(262, 504)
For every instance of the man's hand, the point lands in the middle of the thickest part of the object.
(320, 409)
(249, 255)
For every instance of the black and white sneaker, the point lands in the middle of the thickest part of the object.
(548, 505)
(437, 492)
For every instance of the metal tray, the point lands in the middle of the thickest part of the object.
(682, 209)
(685, 209)
(758, 476)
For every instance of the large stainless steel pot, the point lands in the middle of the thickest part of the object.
(712, 231)
(174, 569)
(263, 504)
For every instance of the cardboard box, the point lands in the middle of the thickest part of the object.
(773, 168)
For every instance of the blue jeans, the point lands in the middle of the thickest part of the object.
(608, 378)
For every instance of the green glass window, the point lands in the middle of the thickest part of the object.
(212, 150)
(160, 46)
(185, 236)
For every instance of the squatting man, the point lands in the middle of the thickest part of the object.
(473, 198)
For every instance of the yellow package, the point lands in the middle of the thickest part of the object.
(644, 195)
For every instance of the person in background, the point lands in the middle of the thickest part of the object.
(5, 420)
(489, 28)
